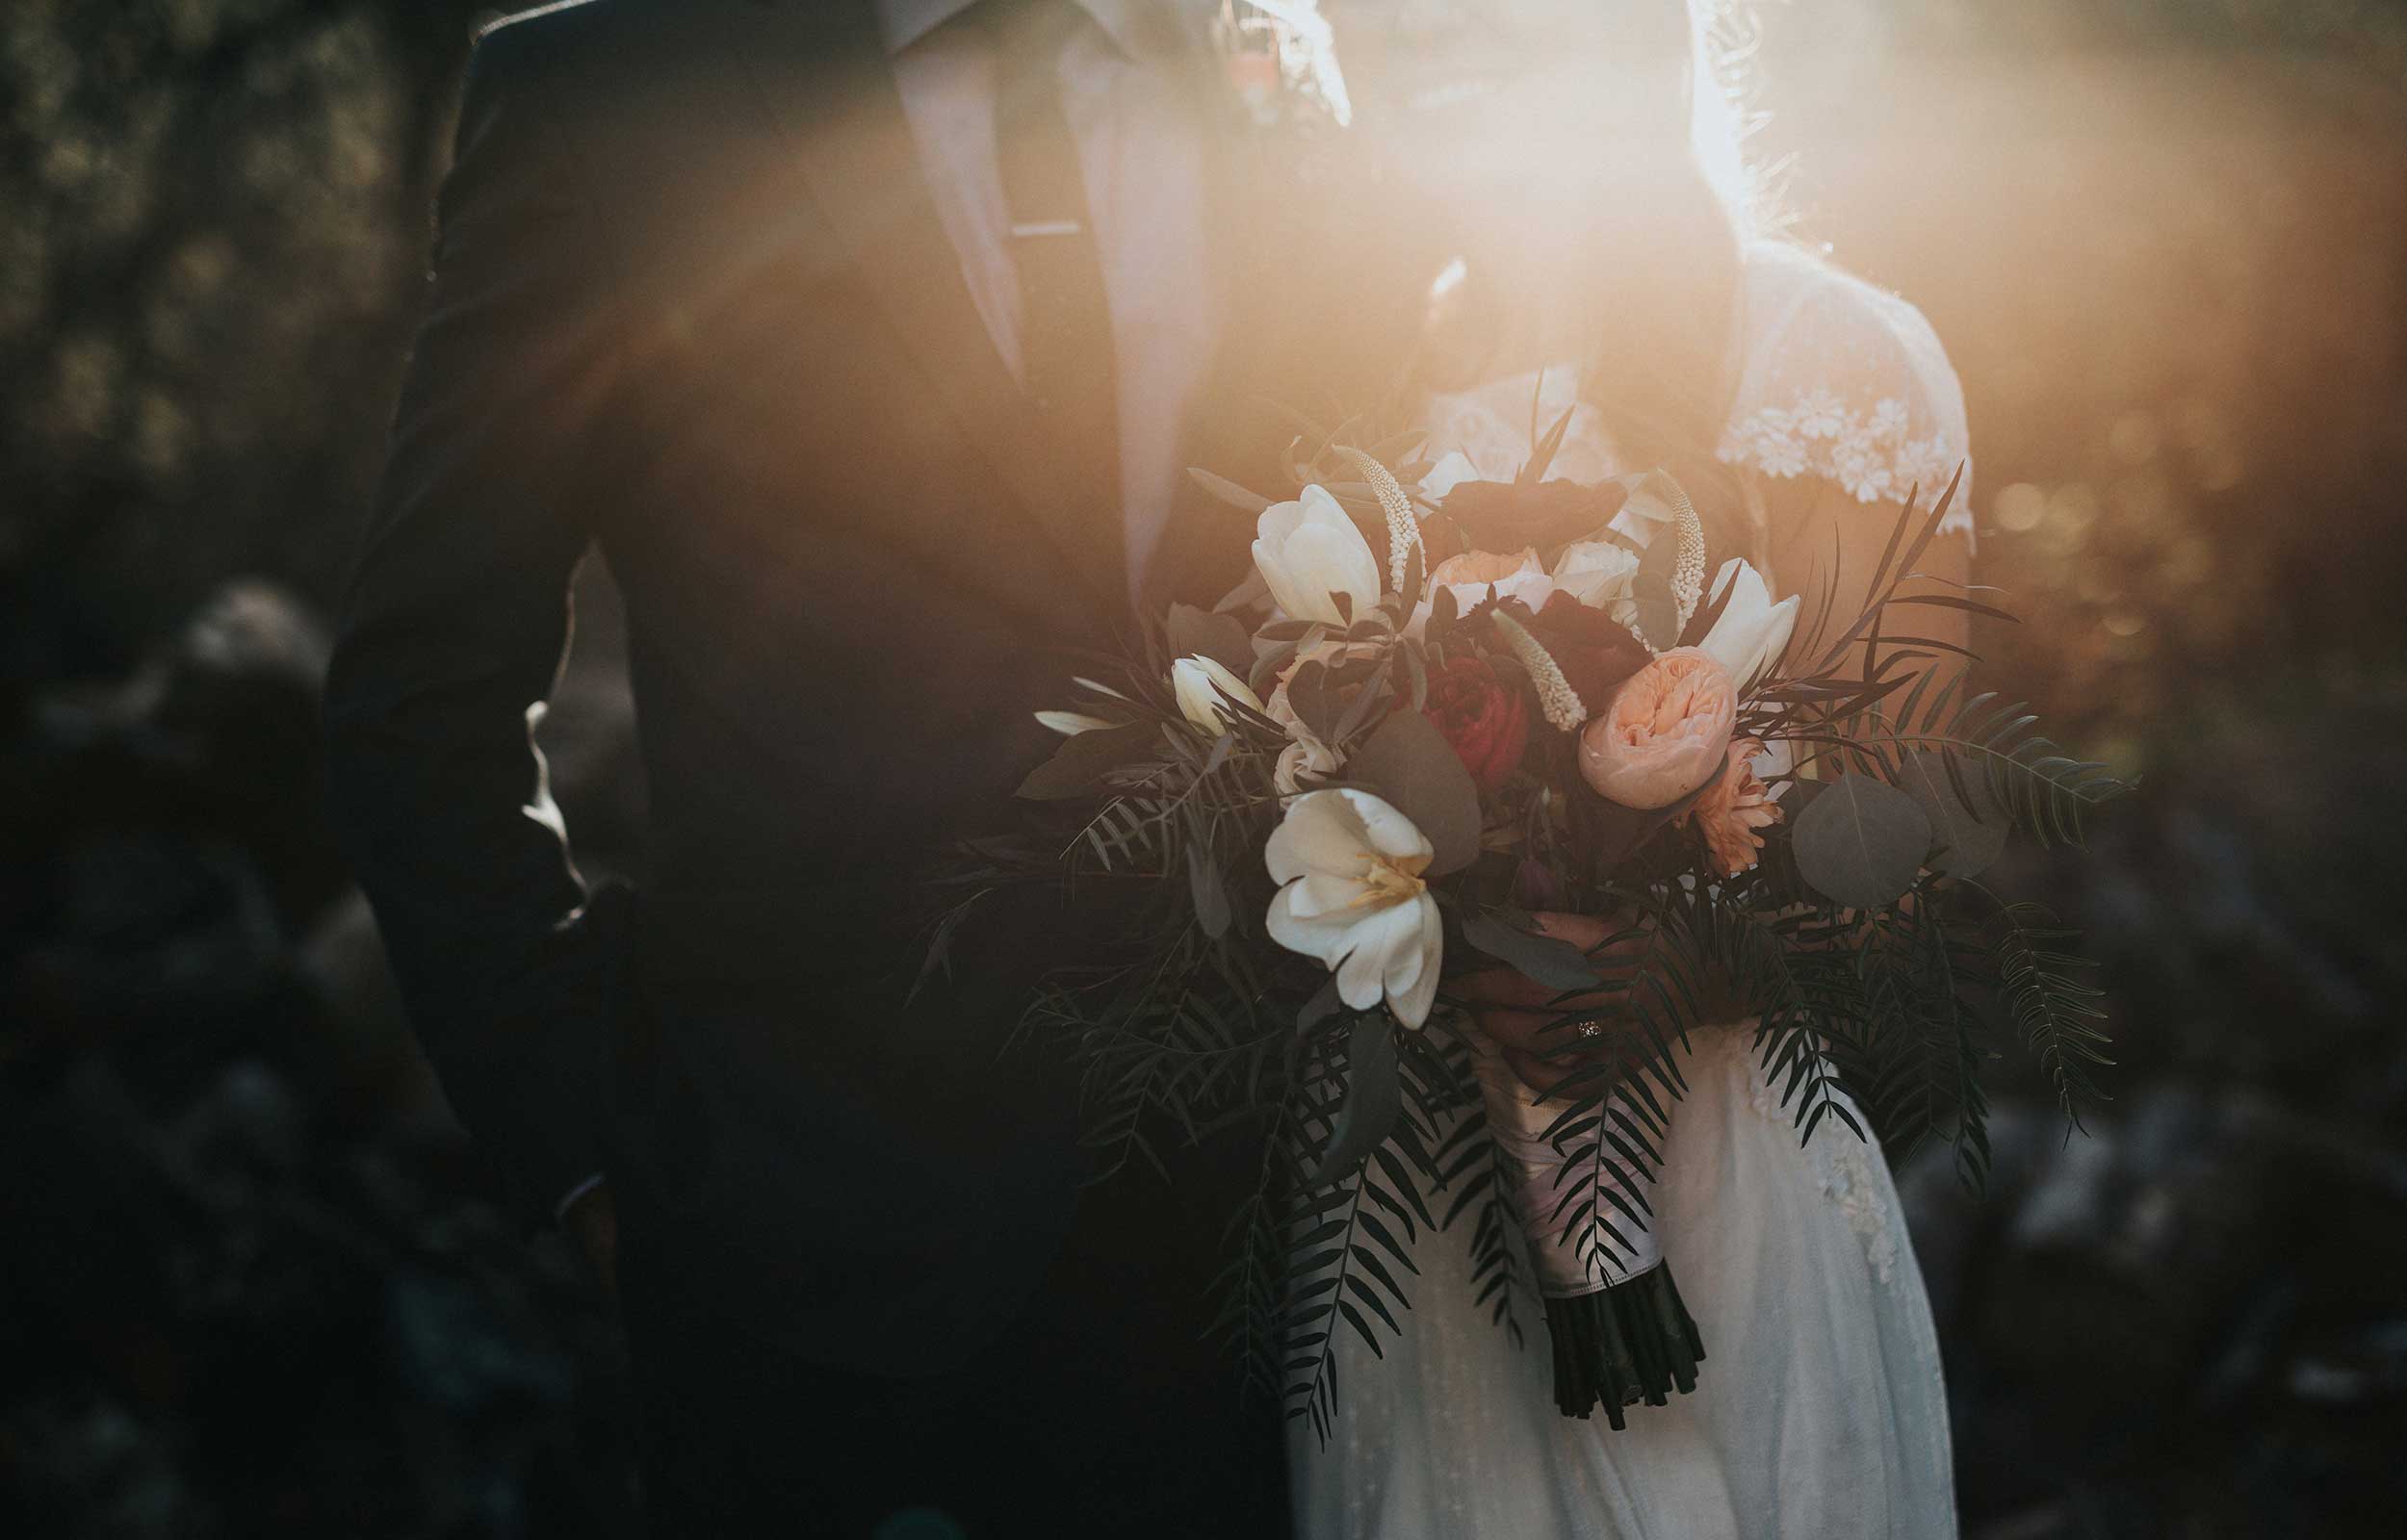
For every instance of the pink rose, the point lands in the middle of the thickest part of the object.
(1729, 812)
(1665, 733)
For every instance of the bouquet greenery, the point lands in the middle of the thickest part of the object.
(1358, 781)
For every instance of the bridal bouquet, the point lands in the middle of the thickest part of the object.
(1441, 707)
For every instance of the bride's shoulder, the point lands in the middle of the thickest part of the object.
(1786, 285)
(1839, 378)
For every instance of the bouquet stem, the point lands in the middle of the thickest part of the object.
(1618, 1345)
(1621, 1333)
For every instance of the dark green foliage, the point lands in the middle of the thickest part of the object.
(1878, 984)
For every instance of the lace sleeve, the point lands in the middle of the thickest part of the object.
(1847, 382)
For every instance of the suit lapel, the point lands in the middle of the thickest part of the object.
(822, 69)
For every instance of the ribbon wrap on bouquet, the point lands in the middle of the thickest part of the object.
(1620, 1332)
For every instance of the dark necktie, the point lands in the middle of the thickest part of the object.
(1064, 323)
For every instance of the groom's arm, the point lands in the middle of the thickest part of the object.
(452, 635)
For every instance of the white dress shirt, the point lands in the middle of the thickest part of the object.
(1141, 154)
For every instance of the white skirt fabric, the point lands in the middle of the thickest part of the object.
(1819, 1412)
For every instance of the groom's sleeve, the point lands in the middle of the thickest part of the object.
(452, 635)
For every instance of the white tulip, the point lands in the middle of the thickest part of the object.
(1308, 549)
(1204, 690)
(1070, 724)
(1350, 894)
(1752, 630)
(1600, 575)
(1449, 472)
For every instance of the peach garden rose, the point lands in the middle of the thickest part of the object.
(1663, 733)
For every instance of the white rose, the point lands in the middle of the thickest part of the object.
(1308, 549)
(1751, 629)
(1204, 689)
(1600, 575)
(1304, 755)
(1350, 894)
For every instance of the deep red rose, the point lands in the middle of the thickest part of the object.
(1487, 724)
(1595, 651)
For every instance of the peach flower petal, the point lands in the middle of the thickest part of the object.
(1665, 733)
(1730, 812)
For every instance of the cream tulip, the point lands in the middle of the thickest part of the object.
(1308, 551)
(1751, 629)
(1204, 690)
(1351, 894)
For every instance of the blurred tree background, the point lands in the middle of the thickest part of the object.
(250, 1283)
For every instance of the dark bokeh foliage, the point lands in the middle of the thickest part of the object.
(251, 1282)
(2166, 245)
(215, 222)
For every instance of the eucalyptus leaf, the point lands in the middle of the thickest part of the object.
(1546, 960)
(1369, 696)
(1323, 1005)
(1658, 616)
(1441, 609)
(1861, 842)
(1079, 766)
(1653, 495)
(1250, 590)
(1408, 761)
(1193, 632)
(1651, 586)
(1228, 491)
(1964, 815)
(1314, 703)
(1618, 829)
(1416, 574)
(1374, 1097)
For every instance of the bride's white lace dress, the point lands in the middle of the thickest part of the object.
(1819, 1413)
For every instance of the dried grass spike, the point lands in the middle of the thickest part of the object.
(1561, 702)
(1404, 531)
(1687, 576)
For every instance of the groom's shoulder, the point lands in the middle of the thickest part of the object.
(573, 43)
(548, 28)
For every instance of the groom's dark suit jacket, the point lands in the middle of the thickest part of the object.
(691, 305)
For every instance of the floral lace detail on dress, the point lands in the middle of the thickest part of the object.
(1845, 382)
(1867, 451)
(1846, 1180)
(1836, 379)
(1843, 1169)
